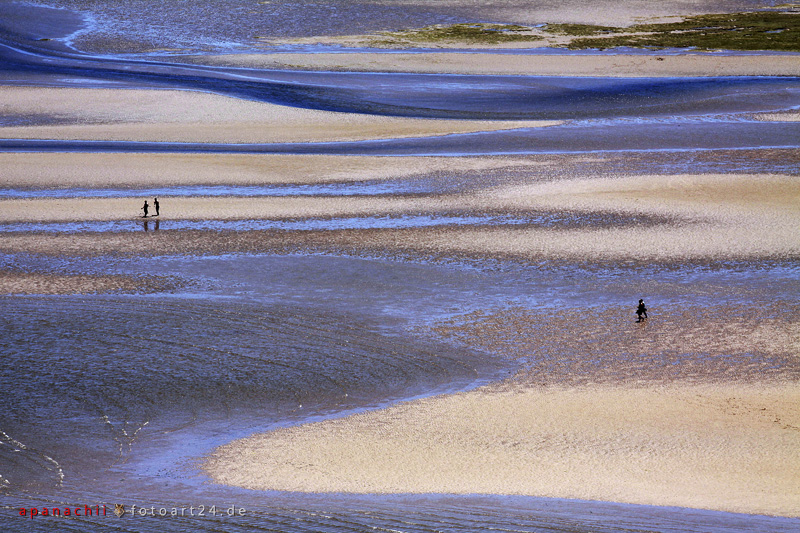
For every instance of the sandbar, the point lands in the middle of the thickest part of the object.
(725, 447)
(525, 64)
(19, 283)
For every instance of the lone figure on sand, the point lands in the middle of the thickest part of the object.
(145, 208)
(641, 310)
(155, 205)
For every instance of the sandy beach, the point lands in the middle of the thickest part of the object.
(447, 318)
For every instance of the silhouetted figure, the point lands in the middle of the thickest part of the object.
(641, 310)
(155, 205)
(145, 208)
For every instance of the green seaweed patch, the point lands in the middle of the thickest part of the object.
(761, 30)
(473, 33)
(580, 29)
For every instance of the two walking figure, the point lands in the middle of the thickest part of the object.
(146, 207)
(641, 310)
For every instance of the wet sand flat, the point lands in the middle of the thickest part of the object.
(696, 407)
(691, 217)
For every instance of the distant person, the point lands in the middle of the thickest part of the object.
(641, 310)
(145, 208)
(155, 205)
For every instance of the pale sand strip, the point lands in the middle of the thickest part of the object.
(96, 170)
(789, 116)
(187, 116)
(56, 283)
(700, 242)
(688, 194)
(525, 64)
(640, 247)
(725, 447)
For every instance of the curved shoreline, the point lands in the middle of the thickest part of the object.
(641, 445)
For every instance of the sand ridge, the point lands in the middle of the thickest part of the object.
(17, 282)
(187, 116)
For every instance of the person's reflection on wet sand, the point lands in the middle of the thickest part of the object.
(146, 225)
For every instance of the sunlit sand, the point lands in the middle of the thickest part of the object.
(185, 116)
(724, 447)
